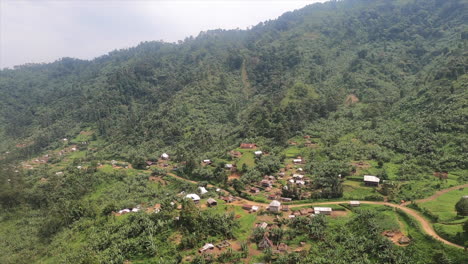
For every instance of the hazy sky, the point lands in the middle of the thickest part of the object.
(43, 31)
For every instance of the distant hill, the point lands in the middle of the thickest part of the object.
(403, 62)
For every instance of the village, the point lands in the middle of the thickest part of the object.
(261, 204)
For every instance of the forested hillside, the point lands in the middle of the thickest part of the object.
(381, 81)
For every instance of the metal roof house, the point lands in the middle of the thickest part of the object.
(322, 210)
(274, 206)
(370, 180)
(195, 198)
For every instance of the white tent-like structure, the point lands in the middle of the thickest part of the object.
(195, 198)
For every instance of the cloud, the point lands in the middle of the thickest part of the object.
(43, 31)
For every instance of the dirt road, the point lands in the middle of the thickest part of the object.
(437, 194)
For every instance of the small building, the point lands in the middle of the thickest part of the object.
(263, 225)
(247, 146)
(298, 176)
(258, 153)
(281, 174)
(322, 210)
(300, 182)
(202, 190)
(285, 199)
(354, 203)
(284, 208)
(254, 190)
(206, 247)
(266, 183)
(370, 180)
(227, 199)
(195, 198)
(165, 156)
(304, 211)
(265, 243)
(282, 247)
(297, 161)
(404, 240)
(211, 202)
(274, 206)
(228, 166)
(254, 208)
(247, 207)
(207, 161)
(271, 197)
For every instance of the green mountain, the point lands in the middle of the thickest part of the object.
(384, 82)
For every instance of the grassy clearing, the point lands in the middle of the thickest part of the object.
(444, 205)
(248, 158)
(292, 152)
(357, 190)
(246, 222)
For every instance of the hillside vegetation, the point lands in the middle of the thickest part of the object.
(354, 87)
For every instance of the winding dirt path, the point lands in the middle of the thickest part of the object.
(437, 194)
(425, 224)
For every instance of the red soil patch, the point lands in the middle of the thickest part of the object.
(351, 99)
(395, 236)
(336, 214)
(157, 180)
(234, 176)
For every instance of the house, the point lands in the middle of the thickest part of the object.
(322, 210)
(304, 211)
(247, 207)
(285, 199)
(282, 247)
(404, 240)
(297, 161)
(211, 202)
(254, 190)
(370, 180)
(229, 166)
(227, 199)
(298, 176)
(254, 208)
(258, 153)
(300, 182)
(202, 190)
(247, 146)
(165, 156)
(265, 243)
(223, 244)
(265, 183)
(207, 161)
(206, 247)
(274, 206)
(272, 197)
(354, 203)
(195, 198)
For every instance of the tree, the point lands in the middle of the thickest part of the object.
(462, 206)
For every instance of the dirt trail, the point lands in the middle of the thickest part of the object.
(425, 224)
(437, 194)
